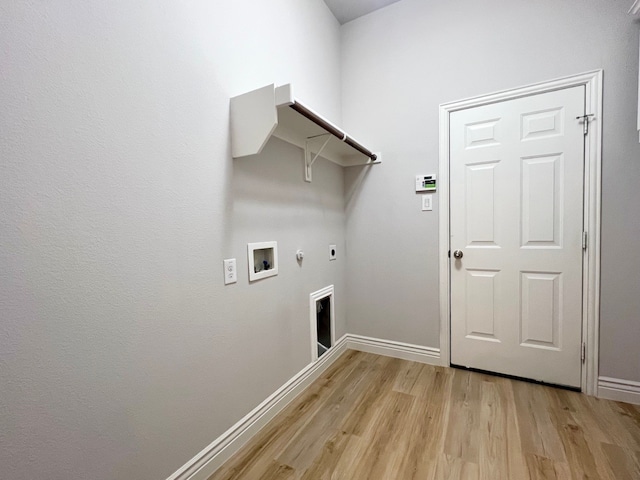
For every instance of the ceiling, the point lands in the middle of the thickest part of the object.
(347, 10)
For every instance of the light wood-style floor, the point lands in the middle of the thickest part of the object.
(370, 417)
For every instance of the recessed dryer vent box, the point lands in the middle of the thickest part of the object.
(263, 260)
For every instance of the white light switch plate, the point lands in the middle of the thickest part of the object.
(230, 271)
(427, 203)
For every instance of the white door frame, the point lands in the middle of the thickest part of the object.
(592, 206)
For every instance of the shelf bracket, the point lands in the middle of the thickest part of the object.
(308, 161)
(365, 164)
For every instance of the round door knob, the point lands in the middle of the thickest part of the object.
(458, 254)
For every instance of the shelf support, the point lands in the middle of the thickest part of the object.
(308, 161)
(365, 164)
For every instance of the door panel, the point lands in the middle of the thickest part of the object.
(517, 172)
(540, 303)
(481, 312)
(542, 191)
(480, 192)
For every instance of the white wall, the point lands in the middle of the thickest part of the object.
(122, 354)
(398, 65)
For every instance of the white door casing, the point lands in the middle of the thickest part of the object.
(537, 281)
(516, 178)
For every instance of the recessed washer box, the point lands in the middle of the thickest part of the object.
(263, 260)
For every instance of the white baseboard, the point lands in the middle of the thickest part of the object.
(389, 348)
(205, 463)
(619, 390)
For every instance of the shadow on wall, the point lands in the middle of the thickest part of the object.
(269, 193)
(353, 180)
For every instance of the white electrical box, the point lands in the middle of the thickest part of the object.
(425, 183)
(263, 260)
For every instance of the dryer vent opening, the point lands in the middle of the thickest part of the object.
(322, 321)
(323, 325)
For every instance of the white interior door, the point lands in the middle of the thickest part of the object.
(516, 212)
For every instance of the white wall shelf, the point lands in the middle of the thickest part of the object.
(271, 110)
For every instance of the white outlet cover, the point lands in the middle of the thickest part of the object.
(333, 253)
(230, 271)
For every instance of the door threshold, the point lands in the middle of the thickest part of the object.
(514, 377)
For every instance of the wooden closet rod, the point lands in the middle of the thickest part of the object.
(336, 132)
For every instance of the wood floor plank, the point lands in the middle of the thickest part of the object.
(580, 453)
(407, 376)
(493, 458)
(277, 471)
(455, 468)
(538, 434)
(423, 384)
(377, 418)
(623, 465)
(426, 433)
(542, 468)
(607, 415)
(326, 462)
(305, 444)
(462, 431)
(348, 463)
(584, 414)
(516, 461)
(382, 435)
(264, 447)
(629, 417)
(382, 378)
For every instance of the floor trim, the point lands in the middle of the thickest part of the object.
(389, 348)
(619, 390)
(205, 463)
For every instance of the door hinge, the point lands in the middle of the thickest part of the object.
(585, 121)
(585, 240)
(583, 354)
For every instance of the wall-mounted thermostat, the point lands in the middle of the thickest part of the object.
(425, 183)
